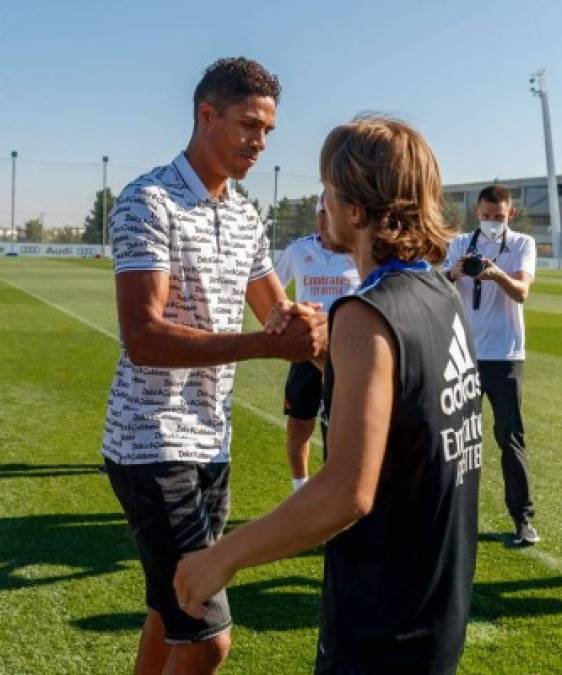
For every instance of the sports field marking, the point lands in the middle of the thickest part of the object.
(546, 559)
(73, 315)
(54, 305)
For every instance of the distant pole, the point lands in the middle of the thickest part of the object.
(104, 207)
(538, 88)
(277, 169)
(42, 221)
(14, 156)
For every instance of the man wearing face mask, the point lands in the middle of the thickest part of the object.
(493, 268)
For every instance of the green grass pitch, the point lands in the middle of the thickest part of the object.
(71, 596)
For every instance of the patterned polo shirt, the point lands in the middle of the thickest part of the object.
(167, 220)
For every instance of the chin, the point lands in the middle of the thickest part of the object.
(237, 172)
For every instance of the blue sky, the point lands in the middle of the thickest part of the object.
(80, 80)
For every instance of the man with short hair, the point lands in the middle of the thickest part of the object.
(493, 268)
(188, 252)
(322, 273)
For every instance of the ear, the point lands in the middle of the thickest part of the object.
(206, 113)
(512, 213)
(357, 216)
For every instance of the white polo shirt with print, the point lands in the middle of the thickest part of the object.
(166, 220)
(320, 275)
(497, 326)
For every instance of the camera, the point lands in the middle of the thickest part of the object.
(473, 265)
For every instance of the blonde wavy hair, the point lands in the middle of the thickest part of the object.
(386, 167)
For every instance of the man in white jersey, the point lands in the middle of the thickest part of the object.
(188, 252)
(493, 269)
(321, 274)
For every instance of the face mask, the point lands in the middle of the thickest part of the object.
(491, 228)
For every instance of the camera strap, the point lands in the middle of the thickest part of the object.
(472, 250)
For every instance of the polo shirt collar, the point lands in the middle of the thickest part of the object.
(194, 183)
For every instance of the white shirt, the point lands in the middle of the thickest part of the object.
(320, 275)
(497, 327)
(166, 220)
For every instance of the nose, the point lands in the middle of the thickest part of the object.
(258, 141)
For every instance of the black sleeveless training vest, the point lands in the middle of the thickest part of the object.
(398, 583)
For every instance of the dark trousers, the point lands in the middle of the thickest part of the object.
(502, 383)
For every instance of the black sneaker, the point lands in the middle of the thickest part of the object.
(525, 535)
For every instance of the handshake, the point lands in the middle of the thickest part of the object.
(298, 330)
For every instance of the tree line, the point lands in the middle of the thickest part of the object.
(293, 218)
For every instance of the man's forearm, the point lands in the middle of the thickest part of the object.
(516, 289)
(317, 512)
(163, 343)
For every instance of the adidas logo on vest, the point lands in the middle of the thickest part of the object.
(459, 369)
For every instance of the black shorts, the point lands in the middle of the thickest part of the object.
(174, 508)
(303, 391)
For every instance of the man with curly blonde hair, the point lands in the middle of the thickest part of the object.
(396, 500)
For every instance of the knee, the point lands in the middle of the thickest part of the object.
(219, 648)
(200, 657)
(299, 431)
(213, 652)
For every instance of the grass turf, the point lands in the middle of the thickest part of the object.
(71, 597)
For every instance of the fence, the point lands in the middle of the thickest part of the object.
(61, 194)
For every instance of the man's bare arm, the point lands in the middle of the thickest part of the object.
(516, 285)
(263, 294)
(365, 361)
(152, 340)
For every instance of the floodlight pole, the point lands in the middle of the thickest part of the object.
(105, 159)
(13, 221)
(538, 88)
(277, 169)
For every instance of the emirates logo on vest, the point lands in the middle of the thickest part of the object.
(459, 370)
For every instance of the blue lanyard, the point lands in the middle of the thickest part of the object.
(392, 265)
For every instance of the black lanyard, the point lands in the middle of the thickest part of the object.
(472, 250)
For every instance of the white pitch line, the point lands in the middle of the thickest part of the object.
(546, 558)
(275, 421)
(62, 309)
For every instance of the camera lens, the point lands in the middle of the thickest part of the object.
(472, 266)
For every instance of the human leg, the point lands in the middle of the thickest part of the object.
(302, 400)
(199, 658)
(153, 652)
(298, 445)
(502, 383)
(174, 508)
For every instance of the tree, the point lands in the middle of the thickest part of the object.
(68, 235)
(33, 229)
(452, 213)
(94, 221)
(294, 218)
(522, 221)
(241, 189)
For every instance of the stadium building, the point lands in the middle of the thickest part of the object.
(530, 194)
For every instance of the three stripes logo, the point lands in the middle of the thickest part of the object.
(460, 369)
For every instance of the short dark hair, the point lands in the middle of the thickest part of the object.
(495, 194)
(231, 80)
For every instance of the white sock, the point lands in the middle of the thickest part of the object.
(299, 482)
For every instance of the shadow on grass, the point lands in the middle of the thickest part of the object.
(45, 470)
(277, 604)
(515, 598)
(494, 600)
(91, 544)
